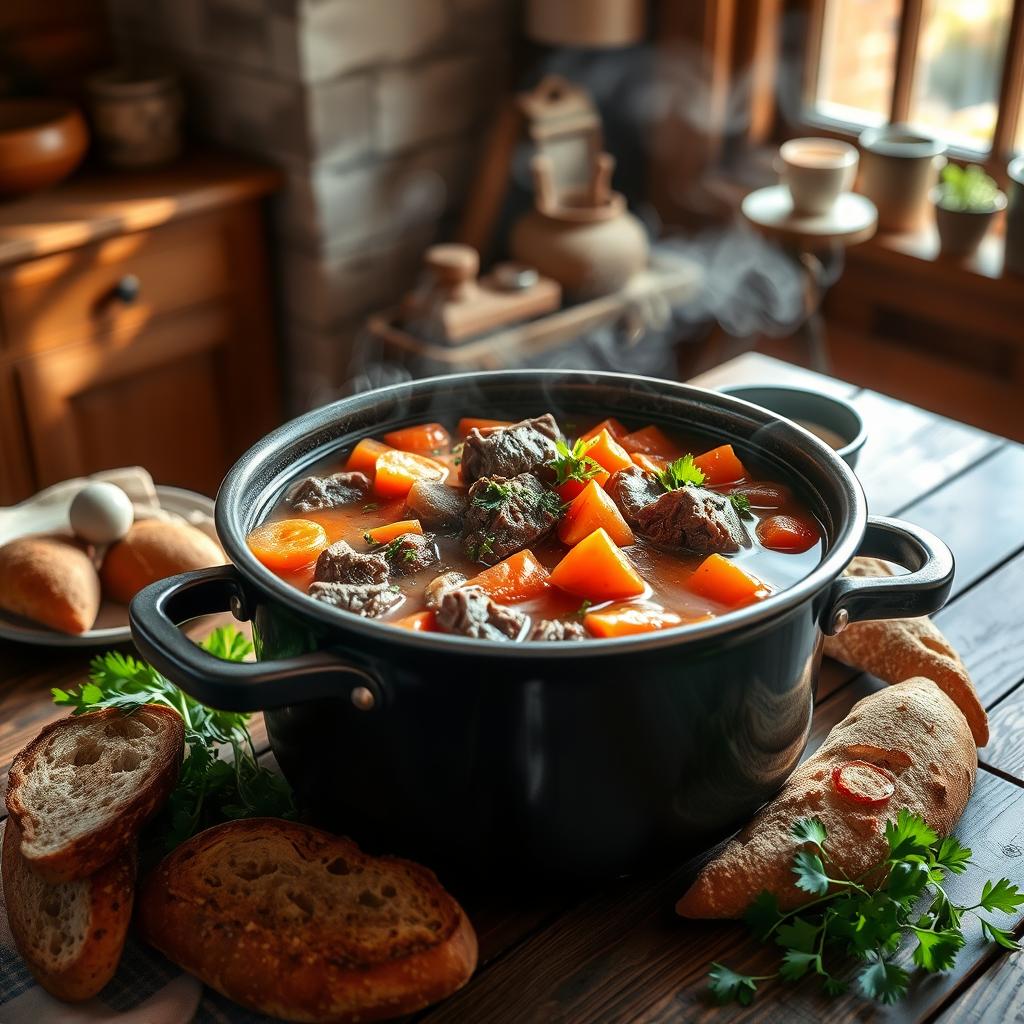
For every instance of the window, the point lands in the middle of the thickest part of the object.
(954, 68)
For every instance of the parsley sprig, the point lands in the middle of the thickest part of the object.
(869, 924)
(684, 472)
(211, 787)
(574, 463)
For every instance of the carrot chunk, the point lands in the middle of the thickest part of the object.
(594, 509)
(612, 425)
(398, 471)
(721, 580)
(572, 489)
(597, 570)
(720, 465)
(519, 577)
(364, 456)
(787, 533)
(647, 464)
(627, 619)
(607, 452)
(384, 534)
(468, 423)
(651, 440)
(421, 622)
(424, 439)
(287, 544)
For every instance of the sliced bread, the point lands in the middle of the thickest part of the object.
(302, 925)
(82, 789)
(70, 934)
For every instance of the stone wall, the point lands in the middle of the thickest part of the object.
(373, 109)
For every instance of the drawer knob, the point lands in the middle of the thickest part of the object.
(127, 289)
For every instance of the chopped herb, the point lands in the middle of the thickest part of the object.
(210, 788)
(583, 609)
(367, 537)
(493, 496)
(574, 463)
(741, 503)
(409, 556)
(371, 506)
(868, 927)
(457, 452)
(681, 473)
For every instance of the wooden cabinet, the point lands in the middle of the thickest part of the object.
(135, 327)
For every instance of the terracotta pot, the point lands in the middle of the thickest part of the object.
(898, 169)
(137, 117)
(961, 231)
(1014, 263)
(41, 143)
(587, 23)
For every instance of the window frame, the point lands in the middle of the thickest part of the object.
(1011, 88)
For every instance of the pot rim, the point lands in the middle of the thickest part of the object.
(243, 477)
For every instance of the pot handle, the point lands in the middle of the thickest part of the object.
(922, 591)
(156, 611)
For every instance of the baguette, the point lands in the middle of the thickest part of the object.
(51, 581)
(82, 789)
(911, 730)
(299, 924)
(897, 649)
(70, 934)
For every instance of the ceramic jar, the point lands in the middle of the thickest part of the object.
(41, 143)
(137, 118)
(898, 168)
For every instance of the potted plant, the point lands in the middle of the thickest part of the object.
(965, 200)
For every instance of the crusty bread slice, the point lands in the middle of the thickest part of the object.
(898, 649)
(70, 934)
(911, 730)
(50, 580)
(82, 789)
(299, 924)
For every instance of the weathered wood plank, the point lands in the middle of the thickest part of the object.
(909, 451)
(1005, 750)
(623, 955)
(997, 997)
(756, 368)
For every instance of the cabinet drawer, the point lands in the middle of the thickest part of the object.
(88, 292)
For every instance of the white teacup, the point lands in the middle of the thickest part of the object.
(817, 171)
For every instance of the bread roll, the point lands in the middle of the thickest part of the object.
(152, 550)
(897, 649)
(299, 924)
(913, 732)
(49, 580)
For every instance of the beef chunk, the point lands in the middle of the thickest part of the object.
(472, 613)
(558, 629)
(317, 492)
(411, 552)
(437, 506)
(505, 516)
(693, 518)
(435, 590)
(340, 563)
(525, 447)
(371, 600)
(632, 489)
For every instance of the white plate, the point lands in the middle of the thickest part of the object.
(112, 621)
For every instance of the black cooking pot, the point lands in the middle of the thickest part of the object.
(585, 758)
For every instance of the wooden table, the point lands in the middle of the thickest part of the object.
(618, 953)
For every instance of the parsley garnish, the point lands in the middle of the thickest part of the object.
(681, 473)
(493, 496)
(574, 463)
(371, 506)
(741, 503)
(210, 788)
(846, 917)
(583, 609)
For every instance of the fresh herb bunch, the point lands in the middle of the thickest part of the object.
(681, 473)
(967, 189)
(210, 788)
(574, 463)
(869, 924)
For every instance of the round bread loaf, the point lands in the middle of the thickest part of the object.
(152, 550)
(49, 580)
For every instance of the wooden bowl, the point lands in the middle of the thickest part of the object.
(41, 143)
